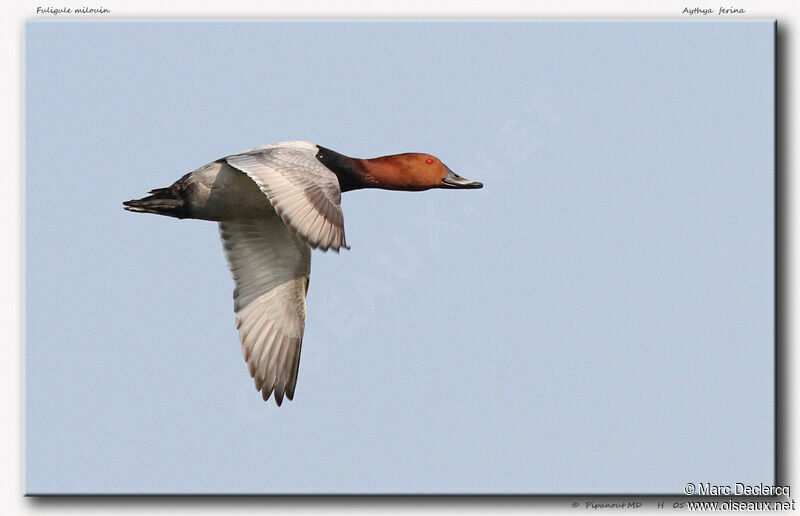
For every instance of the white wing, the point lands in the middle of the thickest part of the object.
(270, 267)
(302, 190)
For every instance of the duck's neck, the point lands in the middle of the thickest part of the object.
(352, 172)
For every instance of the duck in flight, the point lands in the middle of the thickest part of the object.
(273, 205)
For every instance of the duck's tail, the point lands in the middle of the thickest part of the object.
(168, 201)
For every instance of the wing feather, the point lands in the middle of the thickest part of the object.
(304, 192)
(270, 267)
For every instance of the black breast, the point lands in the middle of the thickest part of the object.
(348, 170)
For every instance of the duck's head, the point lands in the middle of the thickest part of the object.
(413, 171)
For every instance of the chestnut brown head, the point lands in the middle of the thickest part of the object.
(414, 171)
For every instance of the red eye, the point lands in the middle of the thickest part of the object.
(429, 161)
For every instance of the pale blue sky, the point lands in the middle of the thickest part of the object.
(597, 319)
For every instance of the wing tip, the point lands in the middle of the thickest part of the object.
(326, 248)
(277, 395)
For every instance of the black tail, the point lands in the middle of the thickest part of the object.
(168, 201)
